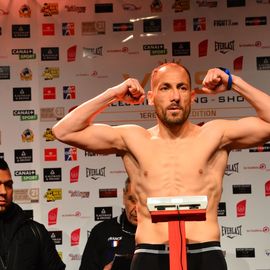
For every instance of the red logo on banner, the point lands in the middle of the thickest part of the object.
(241, 208)
(71, 53)
(267, 188)
(52, 216)
(179, 25)
(49, 93)
(238, 63)
(48, 29)
(74, 174)
(50, 154)
(75, 237)
(203, 46)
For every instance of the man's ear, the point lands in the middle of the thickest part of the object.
(150, 97)
(193, 95)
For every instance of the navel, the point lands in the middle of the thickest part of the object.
(200, 171)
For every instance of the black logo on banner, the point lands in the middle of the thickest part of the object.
(236, 3)
(57, 237)
(52, 174)
(20, 30)
(23, 155)
(181, 48)
(118, 27)
(152, 25)
(245, 252)
(253, 21)
(4, 72)
(104, 8)
(50, 54)
(242, 189)
(21, 93)
(263, 62)
(103, 213)
(222, 209)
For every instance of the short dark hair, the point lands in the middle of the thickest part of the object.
(3, 165)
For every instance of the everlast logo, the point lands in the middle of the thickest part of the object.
(94, 173)
(224, 47)
(231, 168)
(231, 232)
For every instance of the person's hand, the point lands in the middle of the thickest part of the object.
(129, 91)
(108, 266)
(215, 81)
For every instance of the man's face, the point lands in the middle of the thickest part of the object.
(130, 201)
(6, 190)
(171, 95)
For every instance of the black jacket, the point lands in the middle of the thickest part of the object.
(107, 238)
(21, 247)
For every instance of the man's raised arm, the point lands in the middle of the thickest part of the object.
(77, 127)
(247, 131)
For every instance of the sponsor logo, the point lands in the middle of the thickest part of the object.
(92, 154)
(69, 92)
(57, 237)
(238, 63)
(224, 23)
(79, 194)
(254, 21)
(25, 11)
(22, 94)
(108, 193)
(155, 49)
(23, 155)
(50, 73)
(231, 168)
(180, 6)
(222, 209)
(267, 188)
(52, 216)
(70, 153)
(51, 114)
(241, 189)
(152, 25)
(93, 28)
(199, 24)
(181, 48)
(4, 72)
(261, 166)
(74, 174)
(95, 173)
(49, 54)
(245, 252)
(179, 25)
(27, 135)
(203, 47)
(104, 8)
(53, 194)
(29, 195)
(49, 93)
(224, 47)
(120, 27)
(156, 6)
(71, 53)
(50, 154)
(265, 229)
(24, 54)
(75, 257)
(92, 52)
(231, 232)
(103, 213)
(75, 237)
(48, 29)
(241, 208)
(48, 135)
(204, 3)
(74, 8)
(130, 7)
(236, 3)
(260, 148)
(20, 30)
(25, 114)
(26, 74)
(263, 62)
(49, 9)
(68, 29)
(52, 174)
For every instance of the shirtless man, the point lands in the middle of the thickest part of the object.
(175, 157)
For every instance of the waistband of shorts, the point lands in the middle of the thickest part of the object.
(164, 248)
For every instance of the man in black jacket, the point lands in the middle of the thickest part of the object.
(24, 243)
(111, 243)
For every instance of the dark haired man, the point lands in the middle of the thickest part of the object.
(24, 243)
